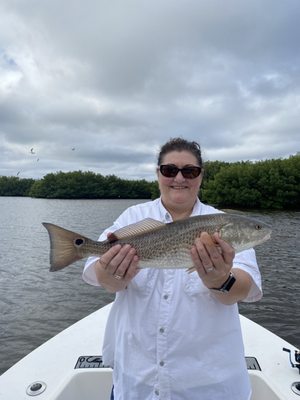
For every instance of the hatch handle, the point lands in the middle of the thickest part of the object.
(295, 364)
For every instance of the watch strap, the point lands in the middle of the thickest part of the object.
(227, 285)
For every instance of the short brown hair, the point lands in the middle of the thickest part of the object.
(179, 144)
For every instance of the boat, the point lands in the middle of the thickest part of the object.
(69, 366)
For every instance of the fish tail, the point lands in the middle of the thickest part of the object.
(64, 246)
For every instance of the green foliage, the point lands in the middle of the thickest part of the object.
(88, 185)
(211, 168)
(271, 184)
(14, 186)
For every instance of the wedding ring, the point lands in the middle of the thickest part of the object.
(118, 276)
(209, 269)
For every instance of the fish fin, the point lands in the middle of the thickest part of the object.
(191, 269)
(63, 247)
(145, 226)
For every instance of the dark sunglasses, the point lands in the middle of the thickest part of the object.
(189, 172)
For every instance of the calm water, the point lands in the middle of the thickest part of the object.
(36, 304)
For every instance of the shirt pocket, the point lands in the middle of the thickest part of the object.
(193, 286)
(144, 281)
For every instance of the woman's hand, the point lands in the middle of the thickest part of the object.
(213, 260)
(116, 268)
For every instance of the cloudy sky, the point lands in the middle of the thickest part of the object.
(99, 85)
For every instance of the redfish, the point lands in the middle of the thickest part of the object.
(157, 244)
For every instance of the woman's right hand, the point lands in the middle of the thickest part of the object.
(116, 268)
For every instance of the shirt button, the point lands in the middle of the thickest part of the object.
(156, 392)
(161, 330)
(166, 296)
(161, 363)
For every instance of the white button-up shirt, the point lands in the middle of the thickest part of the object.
(167, 337)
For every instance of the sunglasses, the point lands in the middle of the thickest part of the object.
(170, 171)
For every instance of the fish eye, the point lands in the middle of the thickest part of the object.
(258, 227)
(78, 242)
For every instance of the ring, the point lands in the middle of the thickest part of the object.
(118, 276)
(209, 269)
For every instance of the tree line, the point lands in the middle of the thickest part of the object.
(270, 184)
(77, 185)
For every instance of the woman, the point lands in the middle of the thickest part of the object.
(173, 335)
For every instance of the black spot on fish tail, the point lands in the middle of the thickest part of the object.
(79, 242)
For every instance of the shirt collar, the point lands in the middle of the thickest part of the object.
(166, 216)
(197, 210)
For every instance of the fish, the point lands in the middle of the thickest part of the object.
(157, 244)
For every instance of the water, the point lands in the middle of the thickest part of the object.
(36, 304)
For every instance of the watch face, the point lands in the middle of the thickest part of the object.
(228, 284)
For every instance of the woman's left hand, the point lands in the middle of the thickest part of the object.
(213, 258)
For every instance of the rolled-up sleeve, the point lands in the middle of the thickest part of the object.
(89, 274)
(246, 260)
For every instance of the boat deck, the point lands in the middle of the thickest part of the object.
(69, 365)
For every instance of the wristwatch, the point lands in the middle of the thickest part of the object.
(227, 285)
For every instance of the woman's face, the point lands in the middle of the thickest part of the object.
(179, 193)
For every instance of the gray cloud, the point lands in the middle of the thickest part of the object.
(114, 80)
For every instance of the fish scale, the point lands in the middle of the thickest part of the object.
(170, 253)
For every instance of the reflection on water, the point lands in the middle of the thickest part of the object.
(35, 304)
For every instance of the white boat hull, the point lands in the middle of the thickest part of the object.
(50, 369)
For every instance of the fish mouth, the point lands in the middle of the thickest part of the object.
(268, 236)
